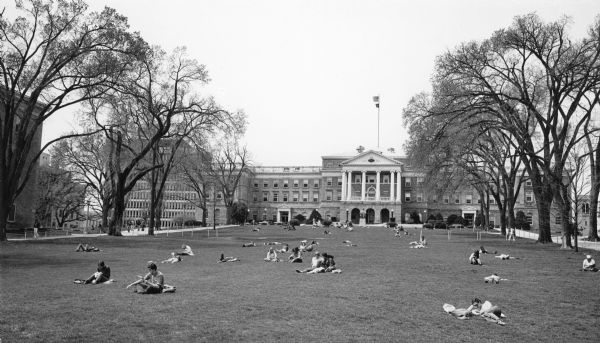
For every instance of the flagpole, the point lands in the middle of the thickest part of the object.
(376, 101)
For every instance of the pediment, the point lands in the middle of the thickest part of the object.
(371, 158)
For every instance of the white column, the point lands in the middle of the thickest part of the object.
(349, 192)
(392, 193)
(343, 185)
(363, 185)
(377, 191)
(398, 188)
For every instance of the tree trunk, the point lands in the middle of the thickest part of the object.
(119, 208)
(3, 222)
(502, 220)
(593, 231)
(543, 206)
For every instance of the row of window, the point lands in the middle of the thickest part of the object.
(468, 198)
(296, 183)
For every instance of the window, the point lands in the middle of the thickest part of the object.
(219, 196)
(558, 220)
(265, 196)
(329, 195)
(329, 181)
(371, 178)
(419, 181)
(275, 197)
(434, 198)
(265, 184)
(585, 208)
(419, 197)
(295, 197)
(339, 181)
(304, 196)
(316, 183)
(407, 182)
(296, 182)
(469, 199)
(446, 199)
(285, 184)
(275, 184)
(528, 183)
(386, 179)
(357, 178)
(492, 200)
(529, 218)
(339, 196)
(457, 199)
(407, 196)
(256, 185)
(315, 197)
(286, 170)
(528, 196)
(305, 184)
(285, 196)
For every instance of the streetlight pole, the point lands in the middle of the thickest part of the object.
(214, 208)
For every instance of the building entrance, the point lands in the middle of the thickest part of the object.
(284, 216)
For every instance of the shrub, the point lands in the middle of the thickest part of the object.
(301, 218)
(451, 219)
(294, 222)
(415, 218)
(327, 222)
(439, 216)
(314, 215)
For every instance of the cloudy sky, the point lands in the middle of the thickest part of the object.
(305, 71)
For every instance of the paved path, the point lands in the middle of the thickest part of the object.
(124, 233)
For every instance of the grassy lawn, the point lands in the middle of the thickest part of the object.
(386, 292)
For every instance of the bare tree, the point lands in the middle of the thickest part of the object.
(52, 56)
(533, 82)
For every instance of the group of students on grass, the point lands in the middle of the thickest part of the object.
(152, 282)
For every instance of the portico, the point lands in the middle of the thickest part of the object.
(371, 185)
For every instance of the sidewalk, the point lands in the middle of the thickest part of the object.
(558, 240)
(124, 233)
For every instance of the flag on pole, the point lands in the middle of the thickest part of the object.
(376, 100)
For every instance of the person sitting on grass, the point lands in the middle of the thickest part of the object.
(283, 249)
(86, 248)
(186, 250)
(151, 283)
(173, 259)
(317, 262)
(296, 256)
(589, 265)
(224, 258)
(506, 257)
(327, 232)
(101, 275)
(474, 258)
(251, 244)
(271, 256)
(256, 229)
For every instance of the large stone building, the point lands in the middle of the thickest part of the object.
(369, 187)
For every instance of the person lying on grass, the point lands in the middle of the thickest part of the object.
(589, 265)
(296, 256)
(251, 244)
(151, 283)
(488, 311)
(173, 259)
(494, 278)
(491, 313)
(311, 246)
(101, 275)
(506, 257)
(272, 243)
(271, 256)
(224, 258)
(317, 262)
(186, 250)
(474, 258)
(349, 243)
(86, 248)
(283, 249)
(483, 251)
(462, 313)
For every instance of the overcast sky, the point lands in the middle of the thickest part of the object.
(305, 71)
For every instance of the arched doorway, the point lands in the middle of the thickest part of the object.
(370, 194)
(370, 214)
(355, 216)
(385, 215)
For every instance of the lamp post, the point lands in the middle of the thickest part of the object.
(265, 214)
(246, 217)
(392, 219)
(214, 208)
